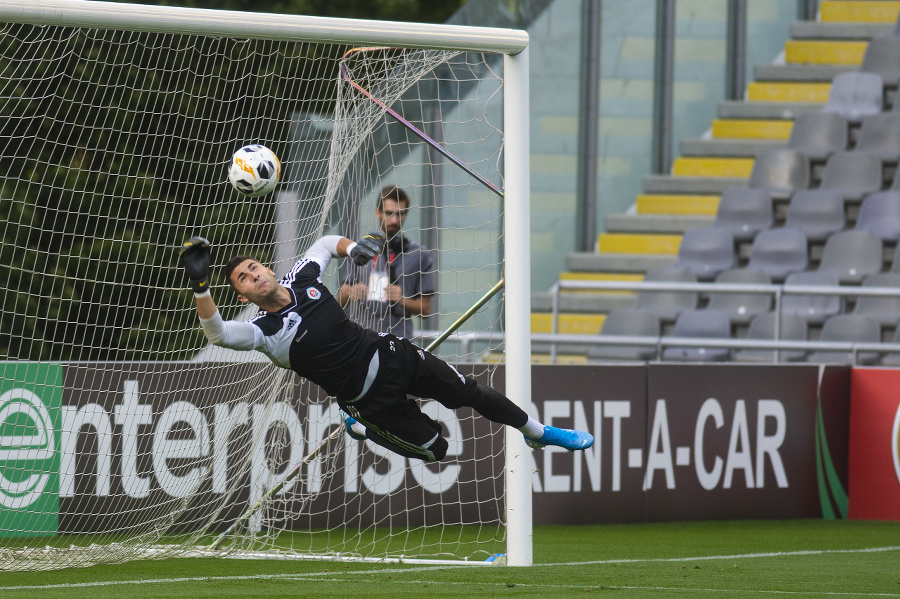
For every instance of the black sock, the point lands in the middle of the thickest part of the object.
(495, 406)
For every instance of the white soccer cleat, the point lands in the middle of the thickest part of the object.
(349, 421)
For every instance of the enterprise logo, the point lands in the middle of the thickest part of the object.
(27, 448)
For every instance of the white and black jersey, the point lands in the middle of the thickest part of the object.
(371, 374)
(312, 335)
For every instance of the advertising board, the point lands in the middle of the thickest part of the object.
(92, 446)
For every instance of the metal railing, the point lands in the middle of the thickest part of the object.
(777, 291)
(467, 340)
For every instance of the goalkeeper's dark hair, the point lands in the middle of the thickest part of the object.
(232, 264)
(392, 192)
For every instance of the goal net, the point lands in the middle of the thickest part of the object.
(123, 434)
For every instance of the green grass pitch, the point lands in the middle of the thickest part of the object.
(747, 559)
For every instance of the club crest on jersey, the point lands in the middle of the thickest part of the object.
(313, 293)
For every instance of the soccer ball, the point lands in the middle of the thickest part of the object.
(254, 170)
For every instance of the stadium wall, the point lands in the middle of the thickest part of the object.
(674, 442)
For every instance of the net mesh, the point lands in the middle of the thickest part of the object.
(123, 435)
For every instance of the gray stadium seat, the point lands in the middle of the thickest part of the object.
(816, 212)
(895, 262)
(632, 322)
(879, 135)
(745, 211)
(779, 252)
(818, 135)
(882, 57)
(780, 171)
(879, 213)
(884, 309)
(814, 309)
(704, 324)
(892, 358)
(855, 95)
(853, 174)
(852, 328)
(762, 327)
(741, 307)
(852, 255)
(706, 251)
(667, 305)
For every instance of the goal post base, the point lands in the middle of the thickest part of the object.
(268, 555)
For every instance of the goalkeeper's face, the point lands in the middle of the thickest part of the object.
(254, 282)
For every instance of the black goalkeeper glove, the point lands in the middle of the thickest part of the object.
(195, 258)
(367, 248)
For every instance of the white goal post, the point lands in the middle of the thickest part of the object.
(36, 362)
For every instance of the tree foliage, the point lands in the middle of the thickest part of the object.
(101, 184)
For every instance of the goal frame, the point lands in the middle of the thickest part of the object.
(512, 44)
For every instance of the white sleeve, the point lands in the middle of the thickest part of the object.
(231, 333)
(323, 250)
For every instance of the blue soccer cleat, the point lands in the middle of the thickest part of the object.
(349, 421)
(561, 437)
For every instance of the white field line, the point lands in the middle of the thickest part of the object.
(334, 576)
(606, 587)
(734, 556)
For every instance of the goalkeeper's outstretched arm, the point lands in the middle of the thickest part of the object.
(256, 283)
(196, 259)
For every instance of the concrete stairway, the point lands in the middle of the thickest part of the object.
(650, 235)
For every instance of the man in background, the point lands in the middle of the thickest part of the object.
(398, 283)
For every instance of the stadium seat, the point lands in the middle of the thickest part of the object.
(632, 322)
(816, 212)
(892, 358)
(780, 171)
(741, 306)
(895, 262)
(762, 327)
(848, 328)
(879, 135)
(855, 95)
(853, 174)
(852, 255)
(812, 308)
(879, 213)
(706, 251)
(667, 305)
(704, 324)
(745, 211)
(818, 135)
(884, 309)
(779, 252)
(882, 57)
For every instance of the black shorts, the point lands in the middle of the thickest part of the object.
(387, 410)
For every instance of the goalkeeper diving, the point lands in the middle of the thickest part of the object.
(302, 327)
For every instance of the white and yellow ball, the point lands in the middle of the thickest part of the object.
(254, 170)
